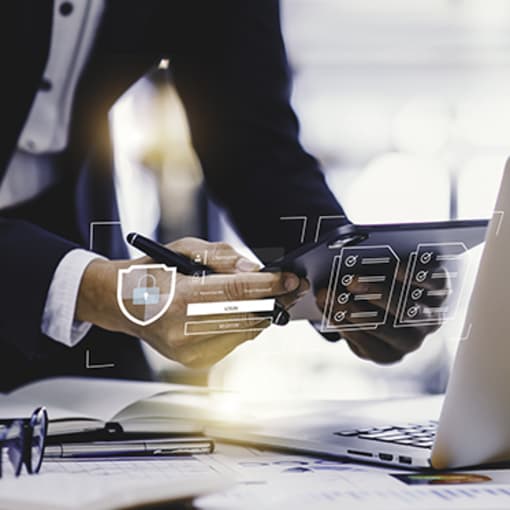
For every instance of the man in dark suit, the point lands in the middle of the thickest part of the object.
(230, 69)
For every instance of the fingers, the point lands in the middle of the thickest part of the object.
(401, 339)
(220, 257)
(320, 298)
(290, 299)
(384, 344)
(356, 350)
(206, 354)
(431, 296)
(241, 286)
(387, 344)
(428, 297)
(200, 329)
(371, 348)
(212, 348)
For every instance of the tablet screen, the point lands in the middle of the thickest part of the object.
(364, 276)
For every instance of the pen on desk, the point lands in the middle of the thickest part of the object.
(108, 449)
(184, 265)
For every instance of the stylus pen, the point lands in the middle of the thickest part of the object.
(108, 449)
(184, 265)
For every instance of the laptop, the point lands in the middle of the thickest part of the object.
(471, 426)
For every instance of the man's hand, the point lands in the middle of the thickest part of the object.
(238, 279)
(386, 343)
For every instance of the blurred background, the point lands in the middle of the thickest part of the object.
(405, 104)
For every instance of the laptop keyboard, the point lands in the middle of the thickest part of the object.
(420, 435)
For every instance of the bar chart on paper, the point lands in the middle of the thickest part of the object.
(452, 497)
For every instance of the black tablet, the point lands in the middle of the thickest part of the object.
(365, 275)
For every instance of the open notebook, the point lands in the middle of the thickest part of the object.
(77, 405)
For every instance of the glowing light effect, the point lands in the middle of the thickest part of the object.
(399, 188)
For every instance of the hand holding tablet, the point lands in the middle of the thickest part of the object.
(383, 288)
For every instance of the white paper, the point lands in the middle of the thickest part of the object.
(263, 480)
(76, 492)
(269, 480)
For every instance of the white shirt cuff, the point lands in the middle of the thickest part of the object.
(58, 317)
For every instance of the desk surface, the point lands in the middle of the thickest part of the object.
(266, 479)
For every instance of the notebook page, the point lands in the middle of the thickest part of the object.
(77, 397)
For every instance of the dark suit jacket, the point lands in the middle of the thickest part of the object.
(230, 69)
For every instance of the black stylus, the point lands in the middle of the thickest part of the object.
(163, 255)
(184, 265)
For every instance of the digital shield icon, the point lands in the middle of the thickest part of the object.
(145, 292)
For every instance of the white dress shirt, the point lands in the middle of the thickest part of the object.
(45, 134)
(31, 169)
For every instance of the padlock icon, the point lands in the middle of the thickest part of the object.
(143, 295)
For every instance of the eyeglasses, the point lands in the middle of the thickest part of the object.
(22, 441)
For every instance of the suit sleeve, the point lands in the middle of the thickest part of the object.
(232, 73)
(28, 260)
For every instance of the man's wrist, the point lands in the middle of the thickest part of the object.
(58, 320)
(96, 301)
(97, 298)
